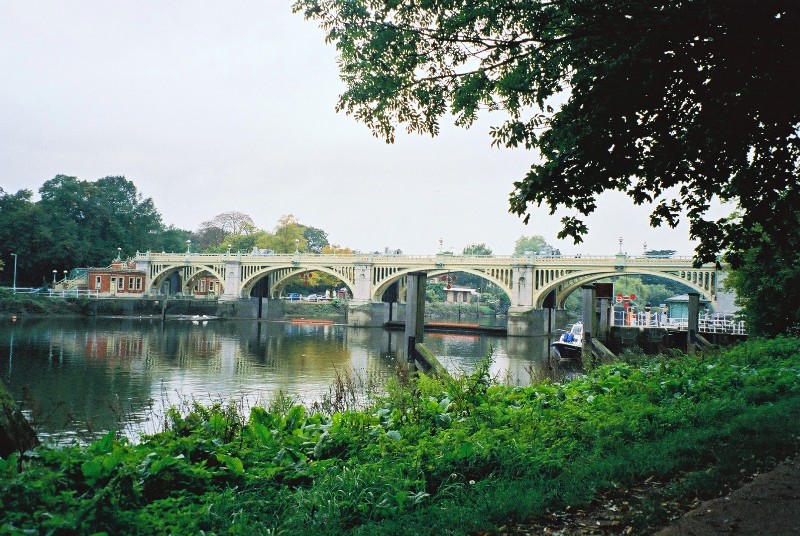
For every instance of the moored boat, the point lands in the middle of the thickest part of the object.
(570, 344)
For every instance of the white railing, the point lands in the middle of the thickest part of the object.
(70, 293)
(707, 323)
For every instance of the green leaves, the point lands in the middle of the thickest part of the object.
(656, 99)
(434, 455)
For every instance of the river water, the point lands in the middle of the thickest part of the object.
(79, 377)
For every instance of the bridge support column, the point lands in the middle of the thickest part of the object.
(232, 280)
(362, 290)
(522, 286)
(532, 322)
(693, 321)
(588, 314)
(367, 315)
(415, 312)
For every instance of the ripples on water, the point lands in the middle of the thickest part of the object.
(77, 378)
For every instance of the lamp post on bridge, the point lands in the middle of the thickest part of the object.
(188, 246)
(54, 278)
(15, 273)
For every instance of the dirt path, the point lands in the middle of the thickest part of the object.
(768, 505)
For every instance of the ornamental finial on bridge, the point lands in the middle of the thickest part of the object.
(620, 246)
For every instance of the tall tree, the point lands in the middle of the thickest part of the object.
(87, 221)
(675, 102)
(22, 232)
(232, 222)
(533, 244)
(289, 236)
(316, 239)
(767, 285)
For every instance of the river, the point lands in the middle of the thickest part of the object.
(79, 377)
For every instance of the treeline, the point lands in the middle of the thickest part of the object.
(79, 223)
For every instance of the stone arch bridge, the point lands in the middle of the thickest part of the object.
(531, 282)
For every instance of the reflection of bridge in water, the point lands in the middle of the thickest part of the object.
(533, 284)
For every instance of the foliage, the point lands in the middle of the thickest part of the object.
(535, 244)
(78, 223)
(672, 102)
(767, 285)
(316, 239)
(232, 222)
(455, 455)
(478, 249)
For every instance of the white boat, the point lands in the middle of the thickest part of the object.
(570, 344)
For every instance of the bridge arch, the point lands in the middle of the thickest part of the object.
(187, 274)
(703, 281)
(379, 289)
(280, 274)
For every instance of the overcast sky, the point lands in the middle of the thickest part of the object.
(209, 107)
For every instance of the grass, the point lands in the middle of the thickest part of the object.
(430, 456)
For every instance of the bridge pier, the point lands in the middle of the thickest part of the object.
(531, 322)
(230, 289)
(367, 314)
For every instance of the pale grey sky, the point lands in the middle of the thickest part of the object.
(210, 107)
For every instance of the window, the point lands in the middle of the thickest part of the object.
(121, 283)
(130, 283)
(211, 286)
(202, 285)
(97, 282)
(138, 283)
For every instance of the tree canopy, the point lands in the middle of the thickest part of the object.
(534, 244)
(477, 249)
(79, 223)
(675, 102)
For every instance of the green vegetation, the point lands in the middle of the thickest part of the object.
(78, 223)
(429, 457)
(34, 304)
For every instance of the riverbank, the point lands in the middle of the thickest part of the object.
(435, 456)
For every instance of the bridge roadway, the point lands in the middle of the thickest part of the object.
(532, 283)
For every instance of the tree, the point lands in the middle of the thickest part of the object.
(478, 249)
(87, 221)
(534, 244)
(231, 222)
(767, 285)
(675, 102)
(316, 239)
(289, 236)
(21, 232)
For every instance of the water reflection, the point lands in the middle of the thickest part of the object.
(84, 376)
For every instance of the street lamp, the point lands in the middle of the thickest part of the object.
(188, 246)
(15, 272)
(119, 254)
(54, 278)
